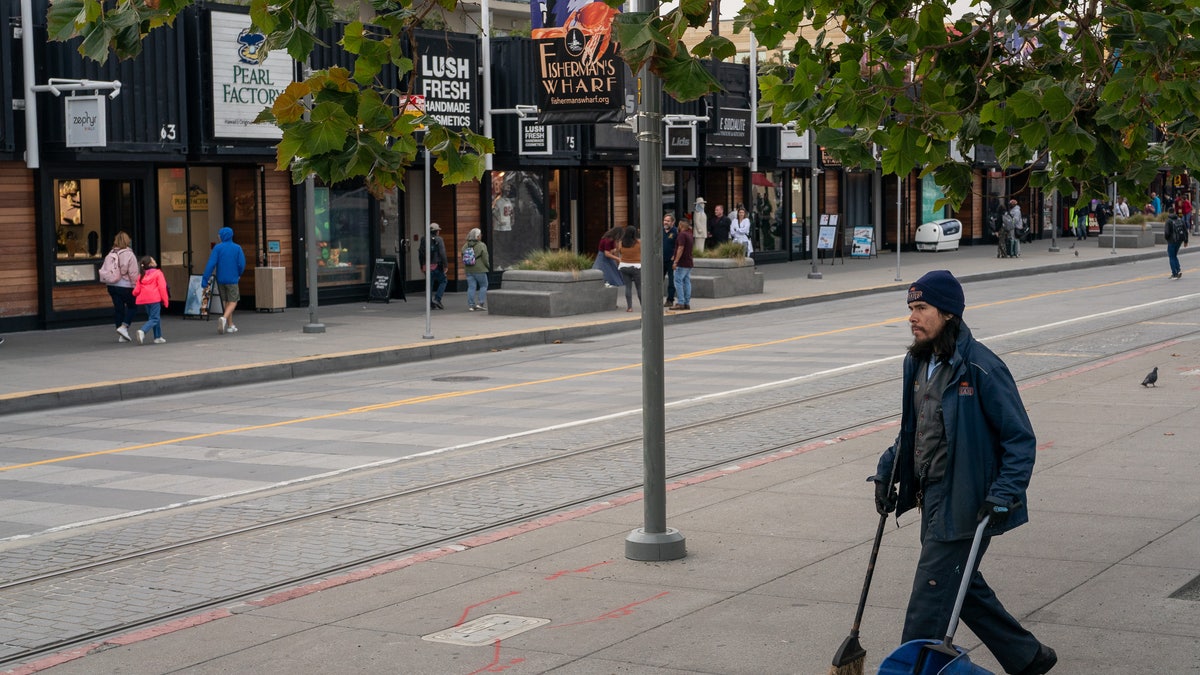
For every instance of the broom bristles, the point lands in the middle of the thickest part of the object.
(855, 667)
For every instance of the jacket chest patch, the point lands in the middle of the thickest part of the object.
(965, 389)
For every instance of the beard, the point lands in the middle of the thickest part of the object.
(940, 346)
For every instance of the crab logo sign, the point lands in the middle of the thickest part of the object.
(582, 81)
(244, 79)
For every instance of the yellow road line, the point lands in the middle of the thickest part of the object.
(561, 378)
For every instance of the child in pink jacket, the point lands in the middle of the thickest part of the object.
(151, 291)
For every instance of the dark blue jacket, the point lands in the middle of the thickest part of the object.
(990, 445)
(228, 259)
(669, 237)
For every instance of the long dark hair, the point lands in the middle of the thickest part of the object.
(942, 345)
(629, 236)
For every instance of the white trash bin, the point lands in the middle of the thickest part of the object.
(939, 235)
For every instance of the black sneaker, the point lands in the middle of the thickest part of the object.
(1042, 662)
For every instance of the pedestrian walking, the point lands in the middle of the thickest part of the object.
(965, 450)
(151, 293)
(120, 272)
(476, 263)
(1156, 203)
(1184, 205)
(670, 232)
(629, 252)
(436, 269)
(682, 263)
(226, 263)
(1176, 235)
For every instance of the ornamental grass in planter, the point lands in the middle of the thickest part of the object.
(728, 249)
(555, 261)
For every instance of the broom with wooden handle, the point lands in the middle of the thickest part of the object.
(850, 658)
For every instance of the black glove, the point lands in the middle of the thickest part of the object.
(998, 512)
(885, 497)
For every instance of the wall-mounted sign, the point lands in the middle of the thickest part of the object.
(733, 127)
(447, 77)
(86, 123)
(828, 159)
(179, 202)
(793, 146)
(535, 139)
(244, 79)
(582, 79)
(681, 141)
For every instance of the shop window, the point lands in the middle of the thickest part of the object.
(342, 228)
(519, 216)
(766, 210)
(88, 213)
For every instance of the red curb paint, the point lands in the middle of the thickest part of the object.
(169, 627)
(54, 660)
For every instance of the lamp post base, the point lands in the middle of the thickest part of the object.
(652, 546)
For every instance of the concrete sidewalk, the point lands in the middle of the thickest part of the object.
(50, 369)
(777, 549)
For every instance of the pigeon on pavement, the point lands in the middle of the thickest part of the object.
(1151, 378)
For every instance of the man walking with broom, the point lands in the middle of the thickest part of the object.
(965, 451)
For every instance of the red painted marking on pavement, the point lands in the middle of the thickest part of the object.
(624, 610)
(53, 660)
(168, 627)
(581, 570)
(357, 575)
(495, 666)
(463, 619)
(1045, 446)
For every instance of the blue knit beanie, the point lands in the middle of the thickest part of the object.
(940, 289)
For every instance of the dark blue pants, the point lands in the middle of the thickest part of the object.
(935, 587)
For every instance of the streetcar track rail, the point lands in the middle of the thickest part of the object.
(434, 542)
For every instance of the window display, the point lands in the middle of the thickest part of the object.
(519, 213)
(342, 225)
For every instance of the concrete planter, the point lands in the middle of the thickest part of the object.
(725, 277)
(1129, 236)
(549, 294)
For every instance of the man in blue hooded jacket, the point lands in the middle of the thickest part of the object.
(228, 261)
(965, 450)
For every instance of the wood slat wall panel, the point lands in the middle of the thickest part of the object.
(18, 225)
(279, 220)
(620, 208)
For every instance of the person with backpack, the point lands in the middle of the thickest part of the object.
(1012, 224)
(475, 262)
(120, 273)
(1176, 234)
(436, 269)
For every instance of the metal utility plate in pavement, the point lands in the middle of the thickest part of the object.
(486, 630)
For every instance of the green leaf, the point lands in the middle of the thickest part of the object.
(685, 79)
(328, 128)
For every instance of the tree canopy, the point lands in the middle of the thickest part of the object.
(1094, 92)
